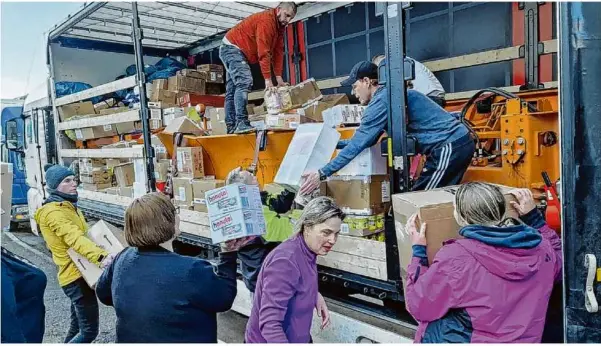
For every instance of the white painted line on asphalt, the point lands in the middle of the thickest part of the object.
(26, 246)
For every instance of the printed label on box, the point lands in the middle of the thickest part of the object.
(182, 194)
(180, 161)
(344, 229)
(200, 201)
(385, 192)
(78, 134)
(108, 127)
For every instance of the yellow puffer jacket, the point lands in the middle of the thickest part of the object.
(64, 227)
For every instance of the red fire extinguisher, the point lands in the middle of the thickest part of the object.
(553, 212)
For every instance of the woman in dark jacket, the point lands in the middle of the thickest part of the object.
(493, 285)
(160, 296)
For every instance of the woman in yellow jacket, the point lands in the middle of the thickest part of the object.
(63, 227)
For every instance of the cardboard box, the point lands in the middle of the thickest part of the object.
(190, 162)
(106, 236)
(286, 121)
(170, 114)
(181, 83)
(160, 84)
(232, 197)
(87, 133)
(156, 113)
(161, 170)
(435, 208)
(183, 125)
(314, 110)
(106, 104)
(357, 195)
(113, 110)
(6, 189)
(369, 162)
(166, 96)
(214, 73)
(95, 186)
(199, 188)
(128, 127)
(217, 121)
(124, 174)
(310, 149)
(98, 175)
(161, 105)
(237, 224)
(111, 163)
(112, 191)
(87, 165)
(260, 110)
(192, 73)
(155, 124)
(361, 226)
(300, 94)
(81, 108)
(182, 191)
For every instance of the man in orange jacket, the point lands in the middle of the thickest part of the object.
(257, 39)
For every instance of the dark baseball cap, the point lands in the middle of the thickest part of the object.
(361, 70)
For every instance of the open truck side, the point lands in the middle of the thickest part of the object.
(362, 279)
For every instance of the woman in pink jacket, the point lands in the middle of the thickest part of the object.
(493, 285)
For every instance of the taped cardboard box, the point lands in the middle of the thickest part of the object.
(190, 162)
(217, 121)
(314, 110)
(128, 127)
(124, 174)
(187, 84)
(87, 133)
(81, 108)
(88, 164)
(214, 73)
(106, 236)
(165, 96)
(106, 104)
(435, 208)
(100, 175)
(111, 163)
(360, 195)
(183, 125)
(95, 186)
(191, 73)
(182, 191)
(199, 188)
(113, 110)
(311, 148)
(369, 162)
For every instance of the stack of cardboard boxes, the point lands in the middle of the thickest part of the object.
(362, 190)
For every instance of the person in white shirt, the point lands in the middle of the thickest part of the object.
(425, 81)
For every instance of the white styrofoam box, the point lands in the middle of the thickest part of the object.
(334, 116)
(311, 148)
(369, 162)
(168, 118)
(236, 224)
(174, 110)
(139, 189)
(139, 170)
(232, 197)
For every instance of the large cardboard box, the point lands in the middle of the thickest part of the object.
(190, 162)
(99, 175)
(181, 83)
(199, 188)
(310, 149)
(128, 127)
(435, 208)
(125, 174)
(6, 192)
(314, 110)
(182, 191)
(183, 125)
(214, 73)
(95, 186)
(360, 195)
(235, 211)
(166, 96)
(217, 121)
(369, 162)
(192, 73)
(81, 108)
(106, 236)
(87, 133)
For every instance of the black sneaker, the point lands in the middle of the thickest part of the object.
(230, 128)
(244, 127)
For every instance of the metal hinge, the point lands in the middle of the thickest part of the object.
(590, 301)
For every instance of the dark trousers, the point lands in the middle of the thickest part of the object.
(439, 100)
(84, 313)
(446, 164)
(239, 81)
(23, 310)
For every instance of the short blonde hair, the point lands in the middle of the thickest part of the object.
(150, 220)
(318, 211)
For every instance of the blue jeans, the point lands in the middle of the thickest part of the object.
(84, 313)
(239, 81)
(23, 309)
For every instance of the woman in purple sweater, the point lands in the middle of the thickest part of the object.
(286, 291)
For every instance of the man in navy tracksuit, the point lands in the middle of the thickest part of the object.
(445, 141)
